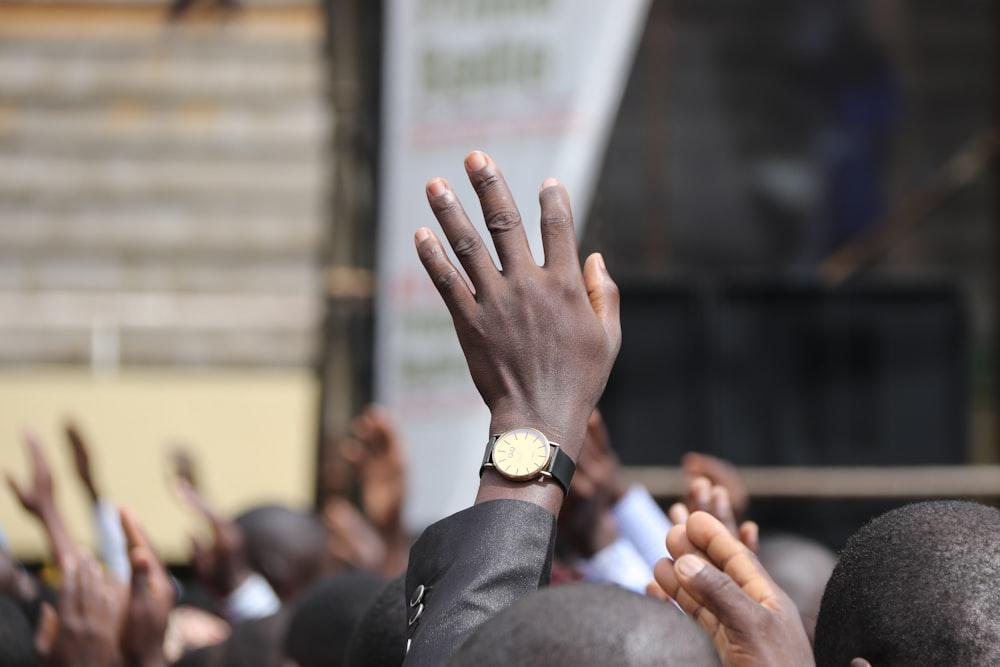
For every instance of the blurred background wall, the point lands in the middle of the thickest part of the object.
(161, 221)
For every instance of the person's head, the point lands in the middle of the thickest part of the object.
(286, 546)
(257, 642)
(916, 586)
(801, 567)
(379, 638)
(16, 638)
(325, 616)
(588, 624)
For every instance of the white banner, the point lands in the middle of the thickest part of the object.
(534, 83)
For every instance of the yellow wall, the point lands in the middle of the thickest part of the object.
(252, 434)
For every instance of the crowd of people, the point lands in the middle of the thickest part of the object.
(559, 561)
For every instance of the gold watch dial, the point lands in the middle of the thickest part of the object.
(520, 454)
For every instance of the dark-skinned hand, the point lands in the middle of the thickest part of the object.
(183, 465)
(38, 499)
(721, 473)
(718, 581)
(376, 451)
(353, 544)
(539, 340)
(83, 632)
(81, 459)
(150, 600)
(15, 581)
(585, 521)
(221, 566)
(598, 461)
(704, 496)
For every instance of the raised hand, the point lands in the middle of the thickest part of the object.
(39, 500)
(585, 520)
(721, 473)
(704, 496)
(353, 543)
(150, 600)
(598, 461)
(183, 464)
(38, 497)
(539, 340)
(221, 566)
(719, 581)
(81, 459)
(376, 451)
(84, 630)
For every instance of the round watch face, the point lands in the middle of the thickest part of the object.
(520, 454)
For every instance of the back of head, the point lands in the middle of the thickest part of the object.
(257, 642)
(285, 545)
(324, 617)
(16, 637)
(379, 638)
(916, 586)
(588, 624)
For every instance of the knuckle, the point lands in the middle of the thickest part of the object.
(446, 281)
(445, 208)
(502, 221)
(467, 245)
(486, 183)
(557, 220)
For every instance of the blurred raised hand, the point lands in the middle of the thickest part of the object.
(81, 459)
(38, 499)
(720, 473)
(83, 630)
(376, 451)
(222, 565)
(150, 600)
(704, 496)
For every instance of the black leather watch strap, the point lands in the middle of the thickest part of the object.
(562, 468)
(489, 453)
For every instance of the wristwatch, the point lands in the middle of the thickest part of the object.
(525, 454)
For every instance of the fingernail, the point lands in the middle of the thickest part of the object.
(475, 160)
(549, 183)
(437, 187)
(600, 261)
(422, 234)
(689, 565)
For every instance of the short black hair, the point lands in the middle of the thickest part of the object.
(285, 545)
(379, 638)
(16, 638)
(325, 616)
(588, 624)
(257, 642)
(919, 585)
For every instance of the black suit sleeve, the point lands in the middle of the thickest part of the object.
(469, 566)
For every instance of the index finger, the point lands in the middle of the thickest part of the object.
(38, 461)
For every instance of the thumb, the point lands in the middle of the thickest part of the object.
(603, 294)
(716, 591)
